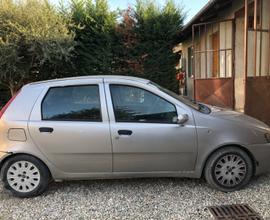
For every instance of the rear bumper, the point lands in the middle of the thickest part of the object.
(3, 155)
(261, 153)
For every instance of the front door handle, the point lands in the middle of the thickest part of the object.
(125, 132)
(45, 130)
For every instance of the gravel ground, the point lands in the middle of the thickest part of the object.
(165, 198)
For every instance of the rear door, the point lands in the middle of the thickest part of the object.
(70, 126)
(145, 135)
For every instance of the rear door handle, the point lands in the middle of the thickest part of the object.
(45, 130)
(125, 132)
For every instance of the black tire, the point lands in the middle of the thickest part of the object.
(216, 166)
(44, 176)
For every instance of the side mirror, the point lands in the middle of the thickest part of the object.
(182, 119)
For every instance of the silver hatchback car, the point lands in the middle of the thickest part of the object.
(116, 127)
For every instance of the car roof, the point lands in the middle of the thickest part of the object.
(107, 77)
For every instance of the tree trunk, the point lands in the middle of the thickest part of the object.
(12, 90)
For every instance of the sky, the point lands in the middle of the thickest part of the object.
(191, 7)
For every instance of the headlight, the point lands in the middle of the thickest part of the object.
(267, 137)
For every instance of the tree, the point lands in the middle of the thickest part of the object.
(95, 37)
(158, 30)
(139, 42)
(3, 96)
(125, 60)
(34, 42)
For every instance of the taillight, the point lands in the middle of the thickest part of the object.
(8, 104)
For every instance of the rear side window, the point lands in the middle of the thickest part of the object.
(72, 103)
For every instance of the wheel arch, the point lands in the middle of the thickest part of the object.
(18, 154)
(254, 162)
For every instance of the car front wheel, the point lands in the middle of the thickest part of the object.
(25, 176)
(229, 169)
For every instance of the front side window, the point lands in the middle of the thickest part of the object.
(72, 103)
(133, 104)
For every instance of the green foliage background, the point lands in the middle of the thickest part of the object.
(34, 41)
(137, 41)
(39, 41)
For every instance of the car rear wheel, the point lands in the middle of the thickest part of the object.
(25, 176)
(229, 169)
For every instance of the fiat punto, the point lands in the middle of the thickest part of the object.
(122, 127)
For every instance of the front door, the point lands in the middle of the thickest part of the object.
(70, 126)
(145, 136)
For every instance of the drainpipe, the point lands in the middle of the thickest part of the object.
(245, 53)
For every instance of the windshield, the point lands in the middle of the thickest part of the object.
(191, 103)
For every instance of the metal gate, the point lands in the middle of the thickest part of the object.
(213, 55)
(258, 98)
(218, 92)
(257, 60)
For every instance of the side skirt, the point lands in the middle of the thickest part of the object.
(124, 175)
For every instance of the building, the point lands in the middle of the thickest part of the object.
(225, 54)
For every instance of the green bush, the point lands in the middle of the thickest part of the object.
(40, 42)
(139, 42)
(34, 41)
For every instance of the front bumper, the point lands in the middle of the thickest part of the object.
(261, 153)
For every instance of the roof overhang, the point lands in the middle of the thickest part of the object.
(208, 13)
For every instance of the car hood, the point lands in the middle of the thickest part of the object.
(238, 117)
